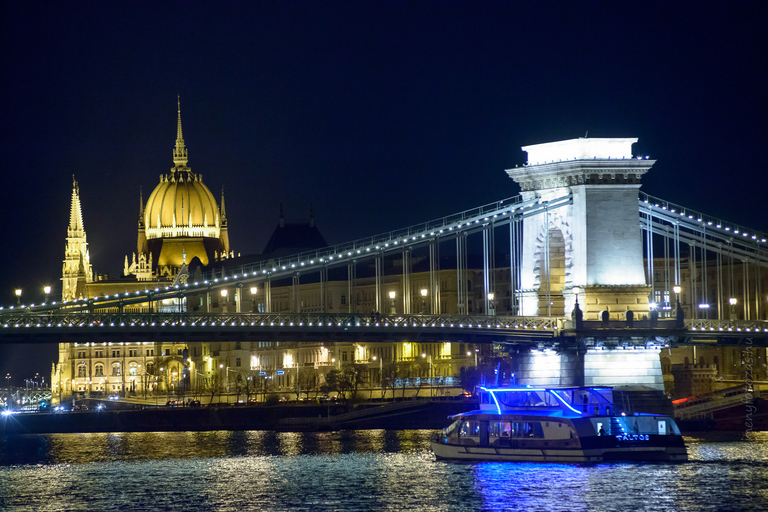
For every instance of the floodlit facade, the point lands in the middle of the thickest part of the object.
(183, 230)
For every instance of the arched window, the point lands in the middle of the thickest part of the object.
(98, 370)
(133, 369)
(151, 368)
(81, 370)
(702, 362)
(116, 369)
(716, 363)
(686, 362)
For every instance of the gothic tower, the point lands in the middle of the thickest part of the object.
(76, 271)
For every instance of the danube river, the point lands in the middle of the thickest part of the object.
(357, 471)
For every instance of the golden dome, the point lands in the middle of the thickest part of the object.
(181, 206)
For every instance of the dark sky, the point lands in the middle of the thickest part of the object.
(379, 114)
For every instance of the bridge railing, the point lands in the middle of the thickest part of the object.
(346, 320)
(701, 219)
(725, 326)
(476, 218)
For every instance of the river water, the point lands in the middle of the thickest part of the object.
(357, 471)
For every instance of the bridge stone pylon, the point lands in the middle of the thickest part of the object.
(593, 243)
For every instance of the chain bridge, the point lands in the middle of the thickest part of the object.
(581, 260)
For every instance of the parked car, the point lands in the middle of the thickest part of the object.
(114, 397)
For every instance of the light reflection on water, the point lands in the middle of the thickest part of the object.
(355, 470)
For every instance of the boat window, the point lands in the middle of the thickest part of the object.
(500, 428)
(469, 428)
(527, 430)
(452, 427)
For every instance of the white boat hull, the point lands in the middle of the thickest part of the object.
(477, 453)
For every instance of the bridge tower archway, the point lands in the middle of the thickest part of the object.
(594, 240)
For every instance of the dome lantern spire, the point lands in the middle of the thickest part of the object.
(180, 151)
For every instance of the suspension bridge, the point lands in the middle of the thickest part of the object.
(580, 259)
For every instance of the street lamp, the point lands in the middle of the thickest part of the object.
(381, 374)
(47, 291)
(224, 293)
(680, 316)
(222, 366)
(393, 309)
(732, 301)
(492, 303)
(430, 372)
(254, 291)
(424, 292)
(18, 296)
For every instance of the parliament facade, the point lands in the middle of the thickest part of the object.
(183, 231)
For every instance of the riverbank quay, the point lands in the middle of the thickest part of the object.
(407, 414)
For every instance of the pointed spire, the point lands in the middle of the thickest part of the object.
(223, 210)
(75, 212)
(180, 152)
(141, 204)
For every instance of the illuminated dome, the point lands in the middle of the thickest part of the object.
(181, 221)
(181, 206)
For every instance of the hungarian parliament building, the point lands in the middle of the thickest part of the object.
(183, 231)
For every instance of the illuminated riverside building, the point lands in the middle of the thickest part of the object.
(724, 287)
(182, 235)
(183, 231)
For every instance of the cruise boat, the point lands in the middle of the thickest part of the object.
(574, 424)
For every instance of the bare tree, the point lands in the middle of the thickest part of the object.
(354, 374)
(213, 385)
(389, 377)
(422, 369)
(306, 382)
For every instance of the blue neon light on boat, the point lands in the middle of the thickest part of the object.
(564, 402)
(517, 390)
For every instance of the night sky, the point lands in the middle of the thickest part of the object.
(379, 114)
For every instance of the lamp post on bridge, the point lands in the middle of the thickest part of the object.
(224, 293)
(680, 316)
(18, 296)
(732, 301)
(424, 292)
(254, 291)
(47, 292)
(392, 307)
(492, 304)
